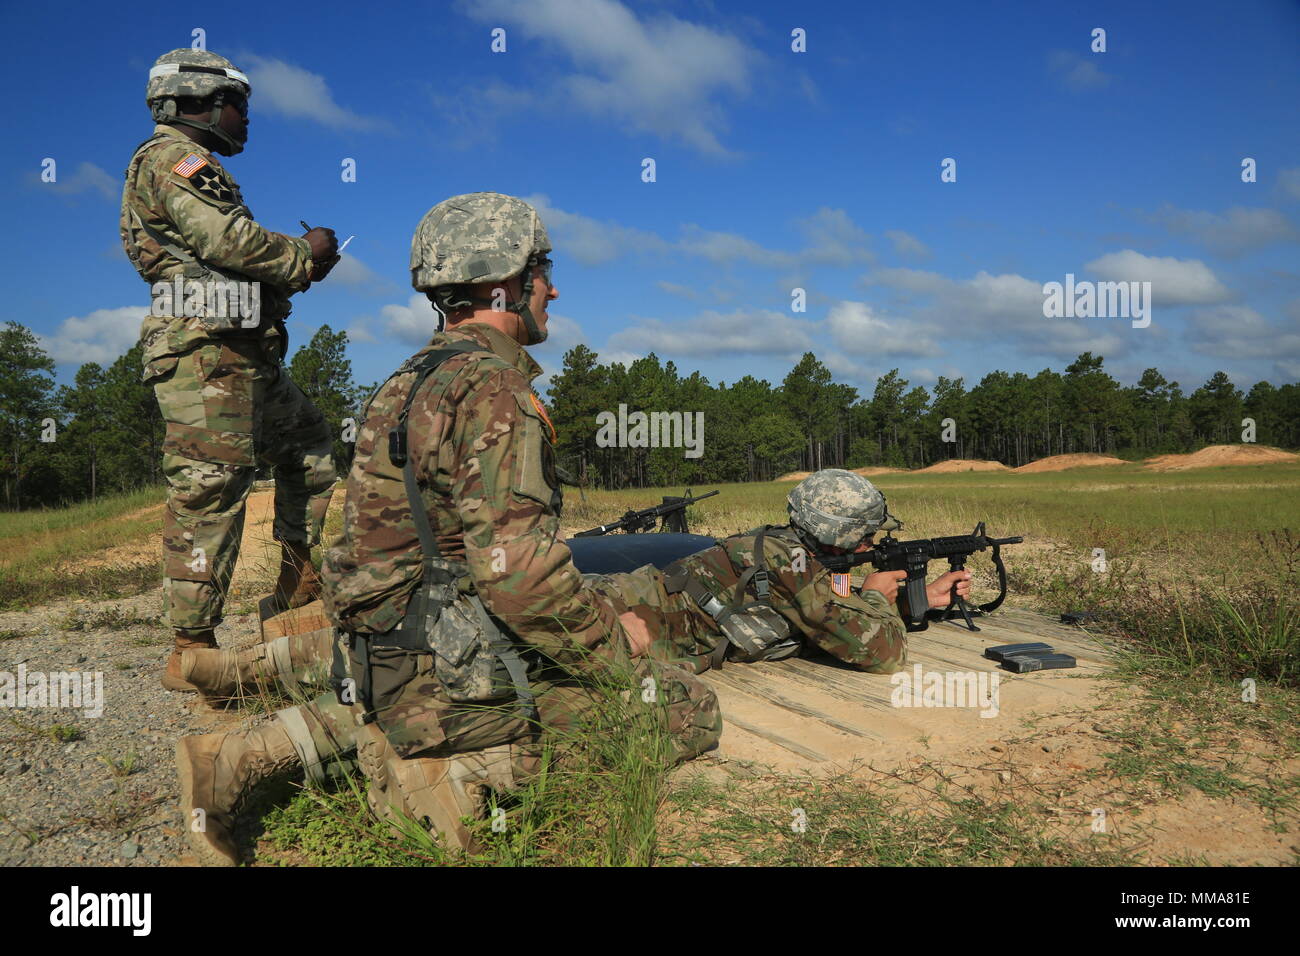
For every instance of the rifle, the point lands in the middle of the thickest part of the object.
(672, 511)
(914, 557)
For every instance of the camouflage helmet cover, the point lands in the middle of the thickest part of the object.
(195, 73)
(475, 237)
(839, 508)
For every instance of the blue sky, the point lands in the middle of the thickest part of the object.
(775, 170)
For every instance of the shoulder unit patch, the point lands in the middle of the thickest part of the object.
(210, 183)
(541, 410)
(190, 165)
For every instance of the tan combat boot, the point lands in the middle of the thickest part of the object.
(218, 773)
(172, 678)
(298, 583)
(439, 792)
(286, 663)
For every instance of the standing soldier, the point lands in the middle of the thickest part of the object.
(474, 641)
(214, 343)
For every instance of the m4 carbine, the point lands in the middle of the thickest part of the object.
(914, 558)
(673, 512)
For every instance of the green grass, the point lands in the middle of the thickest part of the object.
(58, 733)
(107, 619)
(45, 552)
(593, 801)
(844, 820)
(1202, 569)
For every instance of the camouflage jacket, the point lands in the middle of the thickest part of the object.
(859, 627)
(482, 446)
(178, 192)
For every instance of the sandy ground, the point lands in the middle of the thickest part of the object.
(797, 716)
(1063, 462)
(1217, 455)
(962, 464)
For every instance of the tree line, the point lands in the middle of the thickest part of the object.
(103, 434)
(756, 431)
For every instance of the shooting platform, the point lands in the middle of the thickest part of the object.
(820, 715)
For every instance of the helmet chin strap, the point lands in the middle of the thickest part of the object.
(213, 125)
(533, 334)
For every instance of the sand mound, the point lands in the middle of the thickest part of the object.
(866, 472)
(1218, 455)
(1062, 462)
(963, 464)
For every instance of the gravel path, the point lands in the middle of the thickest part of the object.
(61, 801)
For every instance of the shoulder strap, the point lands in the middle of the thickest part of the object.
(757, 572)
(397, 448)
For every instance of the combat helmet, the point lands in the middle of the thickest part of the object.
(478, 237)
(838, 508)
(198, 74)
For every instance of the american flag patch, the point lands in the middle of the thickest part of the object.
(190, 165)
(841, 584)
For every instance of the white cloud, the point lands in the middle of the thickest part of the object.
(907, 245)
(289, 90)
(857, 329)
(87, 177)
(592, 241)
(720, 248)
(359, 331)
(832, 239)
(354, 273)
(414, 323)
(1239, 332)
(1078, 73)
(672, 288)
(562, 334)
(1238, 230)
(711, 334)
(101, 336)
(660, 75)
(1173, 281)
(965, 315)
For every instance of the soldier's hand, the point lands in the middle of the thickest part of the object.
(638, 635)
(886, 582)
(324, 244)
(319, 270)
(939, 591)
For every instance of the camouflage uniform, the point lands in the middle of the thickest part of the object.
(859, 627)
(220, 383)
(482, 446)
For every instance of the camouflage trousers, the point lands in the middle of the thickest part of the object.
(229, 407)
(417, 720)
(682, 635)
